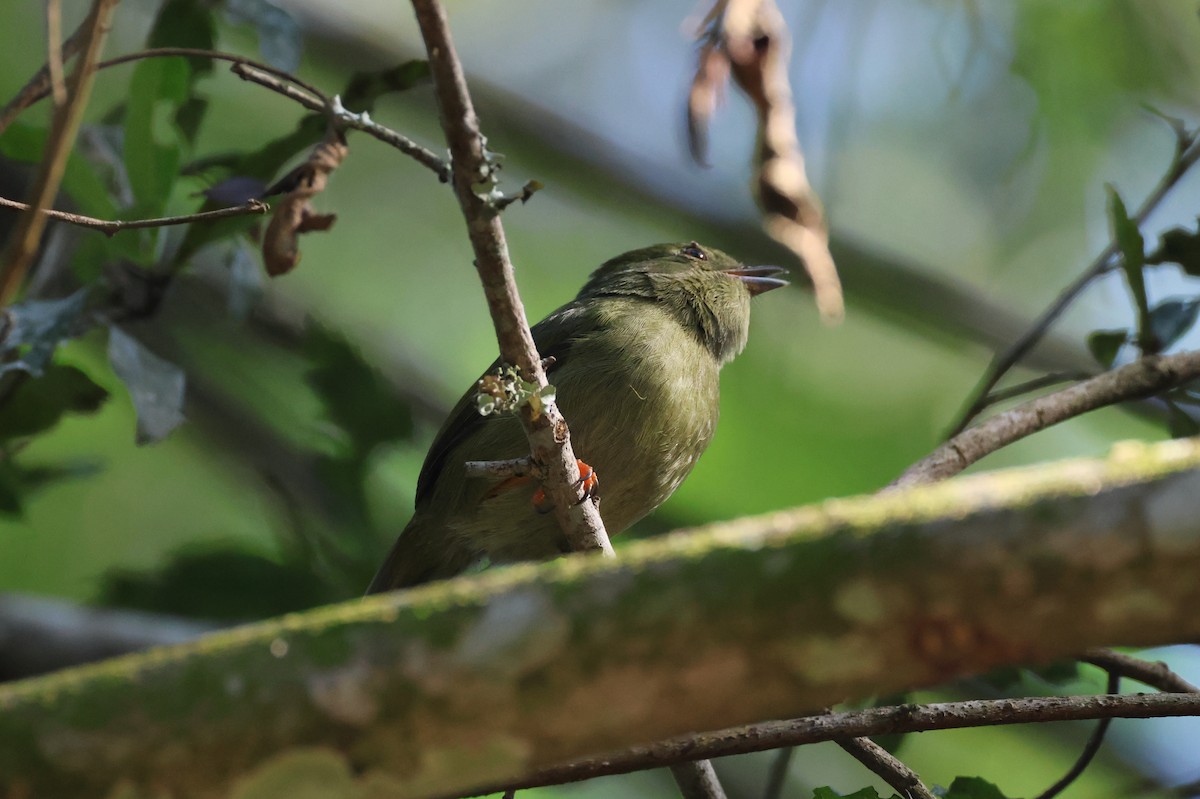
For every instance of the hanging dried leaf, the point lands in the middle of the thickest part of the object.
(294, 213)
(749, 40)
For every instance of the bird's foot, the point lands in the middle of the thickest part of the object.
(588, 482)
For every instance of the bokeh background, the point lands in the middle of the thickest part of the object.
(961, 148)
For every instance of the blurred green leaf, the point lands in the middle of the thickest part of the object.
(154, 142)
(357, 398)
(35, 328)
(1105, 344)
(36, 404)
(186, 23)
(365, 88)
(863, 793)
(24, 143)
(1180, 423)
(261, 164)
(1058, 673)
(972, 788)
(1133, 261)
(1178, 246)
(279, 35)
(221, 584)
(19, 483)
(155, 385)
(246, 280)
(1172, 319)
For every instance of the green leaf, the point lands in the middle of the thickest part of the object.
(186, 23)
(222, 583)
(18, 482)
(155, 385)
(1059, 673)
(1179, 246)
(972, 788)
(1173, 318)
(1133, 261)
(365, 88)
(1180, 423)
(356, 396)
(154, 143)
(279, 38)
(25, 143)
(36, 328)
(245, 279)
(862, 793)
(38, 403)
(1105, 344)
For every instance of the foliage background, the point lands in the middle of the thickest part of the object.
(966, 142)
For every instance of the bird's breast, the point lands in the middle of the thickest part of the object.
(642, 406)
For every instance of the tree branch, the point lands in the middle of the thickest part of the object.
(1187, 153)
(480, 680)
(1094, 742)
(549, 438)
(111, 227)
(41, 635)
(1142, 378)
(886, 767)
(892, 720)
(277, 80)
(23, 242)
(41, 83)
(1157, 675)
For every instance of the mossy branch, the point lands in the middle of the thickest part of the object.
(482, 680)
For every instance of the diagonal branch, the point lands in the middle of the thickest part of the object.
(549, 438)
(1143, 378)
(18, 256)
(887, 767)
(1187, 153)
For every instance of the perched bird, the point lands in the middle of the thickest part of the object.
(635, 361)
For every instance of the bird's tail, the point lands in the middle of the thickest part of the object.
(423, 552)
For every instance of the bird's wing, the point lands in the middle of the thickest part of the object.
(554, 337)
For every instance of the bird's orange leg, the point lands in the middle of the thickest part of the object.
(589, 481)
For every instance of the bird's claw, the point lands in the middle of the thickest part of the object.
(588, 481)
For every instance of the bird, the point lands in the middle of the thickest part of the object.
(635, 360)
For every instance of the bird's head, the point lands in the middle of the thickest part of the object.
(707, 290)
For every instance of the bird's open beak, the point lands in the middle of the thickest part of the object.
(758, 279)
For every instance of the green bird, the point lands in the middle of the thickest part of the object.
(636, 358)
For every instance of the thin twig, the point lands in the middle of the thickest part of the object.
(110, 227)
(887, 767)
(25, 237)
(1036, 384)
(215, 55)
(777, 775)
(549, 438)
(54, 51)
(346, 119)
(513, 467)
(1142, 378)
(277, 80)
(862, 723)
(1187, 153)
(41, 81)
(1095, 740)
(697, 780)
(1153, 673)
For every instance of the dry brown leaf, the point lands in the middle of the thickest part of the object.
(294, 213)
(749, 40)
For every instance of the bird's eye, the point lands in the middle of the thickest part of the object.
(693, 251)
